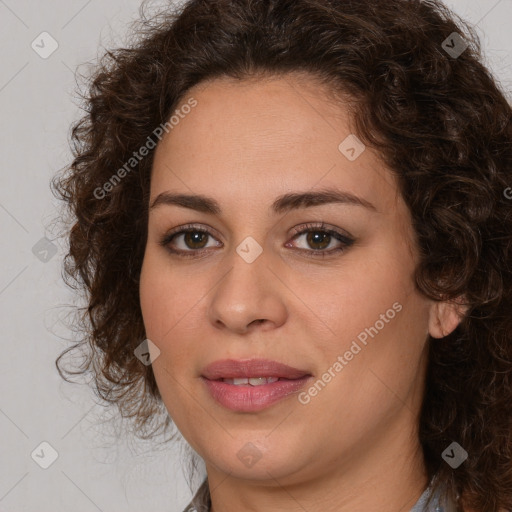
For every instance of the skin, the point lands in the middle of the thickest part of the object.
(354, 446)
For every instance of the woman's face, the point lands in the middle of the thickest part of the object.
(342, 311)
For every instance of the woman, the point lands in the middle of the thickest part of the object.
(293, 230)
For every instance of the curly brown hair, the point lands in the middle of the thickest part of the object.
(440, 121)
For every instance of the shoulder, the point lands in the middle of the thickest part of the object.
(201, 500)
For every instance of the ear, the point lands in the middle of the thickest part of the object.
(445, 317)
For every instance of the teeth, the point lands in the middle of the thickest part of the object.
(253, 381)
(257, 381)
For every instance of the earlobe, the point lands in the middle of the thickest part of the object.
(445, 317)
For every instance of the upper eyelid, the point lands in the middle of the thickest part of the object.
(344, 240)
(320, 225)
(296, 231)
(190, 227)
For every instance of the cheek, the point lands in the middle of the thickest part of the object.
(378, 323)
(376, 379)
(159, 299)
(164, 309)
(171, 301)
(363, 294)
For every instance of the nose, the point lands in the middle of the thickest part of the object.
(248, 297)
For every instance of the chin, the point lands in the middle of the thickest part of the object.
(249, 458)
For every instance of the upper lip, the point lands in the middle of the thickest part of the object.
(250, 368)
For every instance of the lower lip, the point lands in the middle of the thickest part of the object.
(247, 398)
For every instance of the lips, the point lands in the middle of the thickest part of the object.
(251, 369)
(252, 385)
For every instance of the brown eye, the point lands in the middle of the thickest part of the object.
(191, 241)
(195, 239)
(187, 241)
(318, 239)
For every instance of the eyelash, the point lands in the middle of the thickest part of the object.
(321, 228)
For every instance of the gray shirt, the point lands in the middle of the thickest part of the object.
(201, 502)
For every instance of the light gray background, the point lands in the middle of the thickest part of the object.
(94, 470)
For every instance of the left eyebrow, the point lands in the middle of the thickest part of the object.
(282, 204)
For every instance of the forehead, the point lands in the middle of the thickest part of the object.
(262, 137)
(281, 111)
